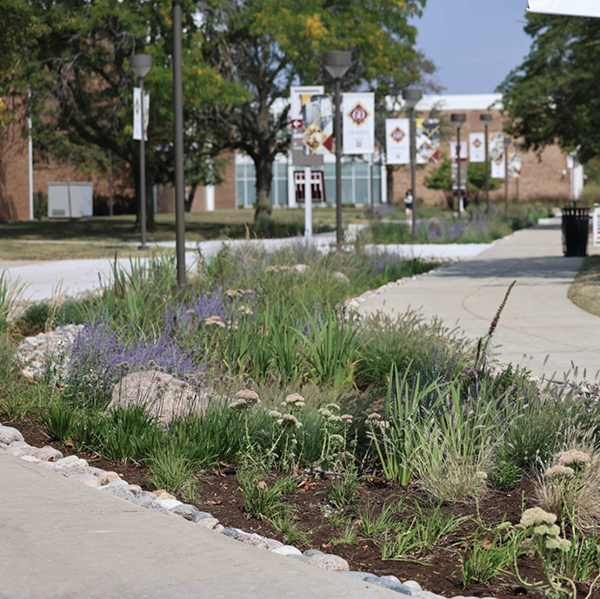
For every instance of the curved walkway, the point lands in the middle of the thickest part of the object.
(539, 329)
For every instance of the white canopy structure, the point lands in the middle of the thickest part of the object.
(574, 8)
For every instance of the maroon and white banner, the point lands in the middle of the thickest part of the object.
(458, 161)
(397, 141)
(477, 147)
(137, 113)
(497, 155)
(463, 150)
(358, 115)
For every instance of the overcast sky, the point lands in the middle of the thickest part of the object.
(474, 43)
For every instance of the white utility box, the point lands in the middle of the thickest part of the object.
(70, 200)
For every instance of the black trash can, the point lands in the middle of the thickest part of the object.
(575, 230)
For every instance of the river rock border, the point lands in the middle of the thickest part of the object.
(78, 469)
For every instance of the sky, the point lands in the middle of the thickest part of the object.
(473, 43)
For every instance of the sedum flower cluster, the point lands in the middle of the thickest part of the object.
(545, 532)
(244, 400)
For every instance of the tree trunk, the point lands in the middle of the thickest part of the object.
(190, 199)
(264, 177)
(389, 174)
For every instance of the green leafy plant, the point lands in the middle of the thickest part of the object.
(172, 469)
(344, 490)
(330, 349)
(484, 558)
(260, 500)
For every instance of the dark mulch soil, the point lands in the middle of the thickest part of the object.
(437, 571)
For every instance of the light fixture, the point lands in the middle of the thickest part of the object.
(458, 118)
(411, 96)
(337, 63)
(141, 64)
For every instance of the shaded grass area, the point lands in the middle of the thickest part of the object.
(223, 224)
(585, 289)
(14, 249)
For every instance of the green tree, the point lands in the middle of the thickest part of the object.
(19, 27)
(268, 45)
(552, 97)
(79, 71)
(441, 178)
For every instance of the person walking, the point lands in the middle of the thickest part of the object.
(408, 204)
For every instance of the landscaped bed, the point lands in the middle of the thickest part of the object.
(393, 443)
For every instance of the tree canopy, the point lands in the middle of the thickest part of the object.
(82, 85)
(553, 96)
(240, 58)
(268, 45)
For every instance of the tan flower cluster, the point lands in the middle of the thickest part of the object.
(238, 292)
(536, 515)
(244, 400)
(559, 471)
(574, 457)
(214, 320)
(294, 400)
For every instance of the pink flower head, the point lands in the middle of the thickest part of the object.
(347, 418)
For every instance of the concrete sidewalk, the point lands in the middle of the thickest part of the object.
(44, 280)
(63, 540)
(539, 329)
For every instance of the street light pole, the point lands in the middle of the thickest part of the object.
(507, 141)
(518, 145)
(486, 119)
(336, 64)
(141, 64)
(411, 96)
(178, 145)
(458, 119)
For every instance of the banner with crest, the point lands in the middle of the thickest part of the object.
(358, 117)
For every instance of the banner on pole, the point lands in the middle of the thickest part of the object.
(514, 165)
(463, 150)
(496, 142)
(458, 161)
(317, 117)
(477, 147)
(137, 113)
(428, 141)
(358, 116)
(397, 145)
(299, 95)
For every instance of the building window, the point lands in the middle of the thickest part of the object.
(356, 183)
(245, 185)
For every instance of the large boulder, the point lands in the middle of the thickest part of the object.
(160, 394)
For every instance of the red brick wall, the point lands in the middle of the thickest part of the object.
(14, 166)
(541, 177)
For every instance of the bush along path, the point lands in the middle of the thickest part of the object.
(78, 469)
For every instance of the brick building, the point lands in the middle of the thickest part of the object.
(544, 176)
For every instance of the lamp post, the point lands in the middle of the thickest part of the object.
(518, 145)
(507, 141)
(336, 64)
(178, 145)
(141, 64)
(486, 118)
(411, 96)
(458, 119)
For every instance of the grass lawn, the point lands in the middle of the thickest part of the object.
(585, 289)
(103, 236)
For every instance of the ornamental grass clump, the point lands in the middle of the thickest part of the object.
(570, 487)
